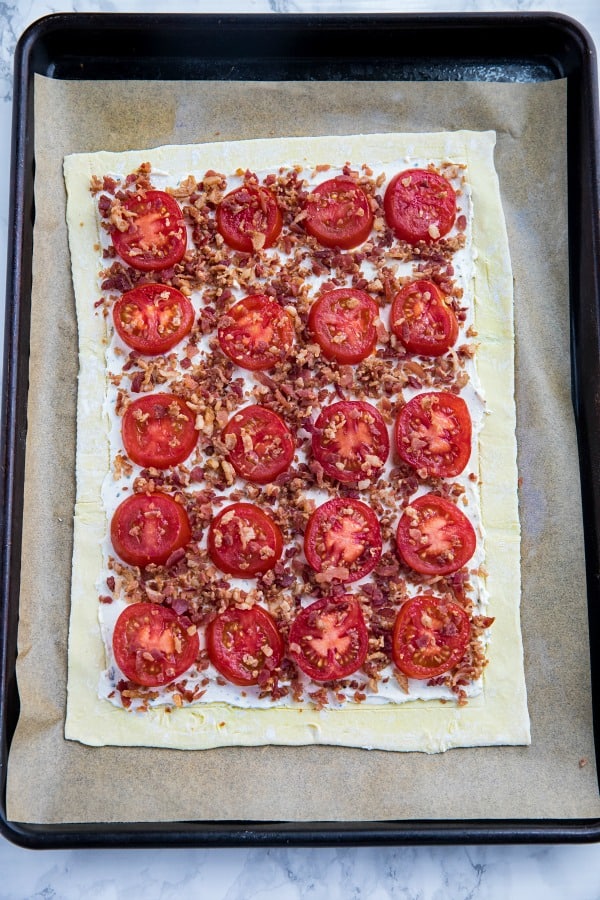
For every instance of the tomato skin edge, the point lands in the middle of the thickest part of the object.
(352, 410)
(462, 528)
(141, 262)
(232, 235)
(251, 360)
(250, 511)
(330, 671)
(258, 474)
(423, 346)
(145, 612)
(461, 640)
(143, 456)
(146, 345)
(328, 511)
(217, 653)
(459, 409)
(122, 542)
(339, 352)
(394, 215)
(330, 237)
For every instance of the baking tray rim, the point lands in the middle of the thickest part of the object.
(224, 833)
(520, 21)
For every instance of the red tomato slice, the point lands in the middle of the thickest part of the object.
(338, 213)
(433, 434)
(244, 645)
(152, 318)
(329, 639)
(434, 537)
(259, 443)
(350, 441)
(148, 528)
(343, 322)
(421, 319)
(430, 636)
(159, 430)
(256, 333)
(153, 645)
(243, 540)
(248, 218)
(156, 237)
(343, 538)
(419, 205)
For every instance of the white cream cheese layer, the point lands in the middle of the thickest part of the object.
(115, 489)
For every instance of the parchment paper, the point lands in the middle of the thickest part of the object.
(53, 781)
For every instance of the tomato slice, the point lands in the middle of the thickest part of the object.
(243, 540)
(153, 645)
(434, 537)
(433, 434)
(244, 645)
(430, 636)
(248, 218)
(148, 528)
(256, 333)
(343, 536)
(156, 237)
(338, 213)
(344, 323)
(350, 441)
(419, 205)
(422, 320)
(328, 639)
(159, 430)
(152, 318)
(259, 443)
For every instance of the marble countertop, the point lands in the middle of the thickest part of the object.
(369, 873)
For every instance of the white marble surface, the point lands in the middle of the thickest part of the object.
(410, 873)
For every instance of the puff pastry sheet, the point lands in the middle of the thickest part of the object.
(499, 715)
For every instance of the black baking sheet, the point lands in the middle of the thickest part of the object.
(510, 48)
